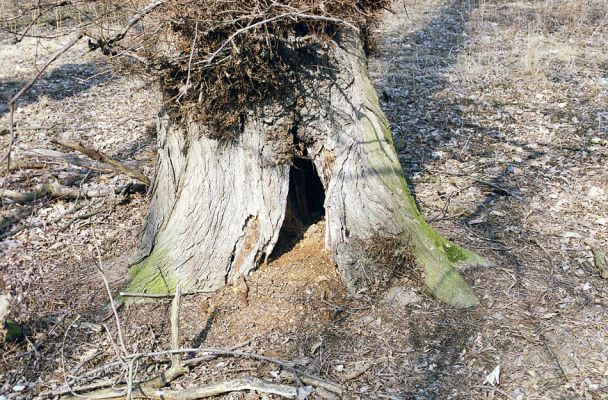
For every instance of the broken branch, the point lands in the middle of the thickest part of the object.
(56, 190)
(213, 389)
(102, 157)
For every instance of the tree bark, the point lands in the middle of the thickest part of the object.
(218, 205)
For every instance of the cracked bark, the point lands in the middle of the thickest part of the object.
(218, 206)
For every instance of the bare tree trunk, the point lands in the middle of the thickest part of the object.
(218, 206)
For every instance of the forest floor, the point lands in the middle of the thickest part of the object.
(500, 114)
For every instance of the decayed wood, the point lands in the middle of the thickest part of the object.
(232, 198)
(102, 157)
(217, 207)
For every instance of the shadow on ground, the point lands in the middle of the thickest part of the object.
(61, 83)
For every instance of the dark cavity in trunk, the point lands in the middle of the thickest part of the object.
(304, 204)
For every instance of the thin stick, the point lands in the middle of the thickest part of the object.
(176, 359)
(191, 56)
(109, 382)
(107, 285)
(161, 295)
(13, 100)
(65, 335)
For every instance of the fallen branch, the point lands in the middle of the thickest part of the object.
(160, 295)
(149, 387)
(70, 159)
(213, 389)
(102, 157)
(56, 190)
(66, 389)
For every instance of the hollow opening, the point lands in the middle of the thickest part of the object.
(305, 204)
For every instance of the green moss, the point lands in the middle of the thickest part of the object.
(151, 275)
(436, 255)
(454, 253)
(14, 331)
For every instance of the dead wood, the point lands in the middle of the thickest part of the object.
(599, 259)
(102, 157)
(214, 389)
(70, 159)
(56, 190)
(162, 296)
(21, 165)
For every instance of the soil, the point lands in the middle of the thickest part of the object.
(499, 115)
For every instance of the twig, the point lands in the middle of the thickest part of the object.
(64, 389)
(176, 359)
(65, 335)
(190, 59)
(102, 157)
(500, 189)
(162, 296)
(13, 100)
(106, 45)
(107, 285)
(177, 368)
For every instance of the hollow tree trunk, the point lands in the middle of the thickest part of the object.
(218, 206)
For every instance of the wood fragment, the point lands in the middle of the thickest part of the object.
(357, 372)
(102, 157)
(21, 165)
(599, 259)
